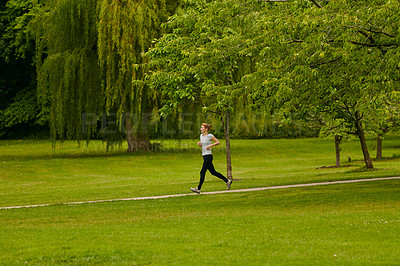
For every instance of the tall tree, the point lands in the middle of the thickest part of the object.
(126, 31)
(67, 66)
(341, 56)
(90, 62)
(205, 56)
(385, 119)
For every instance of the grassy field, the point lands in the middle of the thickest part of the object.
(345, 224)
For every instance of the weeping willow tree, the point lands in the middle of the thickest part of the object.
(90, 62)
(67, 66)
(126, 30)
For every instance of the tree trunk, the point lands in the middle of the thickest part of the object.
(363, 141)
(379, 147)
(228, 145)
(338, 139)
(136, 142)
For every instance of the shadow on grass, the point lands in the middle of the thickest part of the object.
(32, 157)
(90, 154)
(358, 166)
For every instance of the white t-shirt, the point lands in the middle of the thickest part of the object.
(205, 142)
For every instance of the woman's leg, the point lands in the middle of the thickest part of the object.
(207, 161)
(215, 173)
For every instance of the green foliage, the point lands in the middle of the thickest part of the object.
(15, 40)
(24, 110)
(18, 106)
(126, 30)
(205, 55)
(90, 60)
(334, 62)
(67, 65)
(386, 116)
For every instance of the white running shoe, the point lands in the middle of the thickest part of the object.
(228, 184)
(195, 189)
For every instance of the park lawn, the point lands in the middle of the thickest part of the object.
(347, 224)
(355, 224)
(31, 172)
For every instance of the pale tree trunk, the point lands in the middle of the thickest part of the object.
(338, 139)
(363, 141)
(379, 147)
(136, 142)
(225, 125)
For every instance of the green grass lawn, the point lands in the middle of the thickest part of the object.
(346, 224)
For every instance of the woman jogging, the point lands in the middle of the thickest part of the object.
(206, 143)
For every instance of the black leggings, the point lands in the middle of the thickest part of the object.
(208, 165)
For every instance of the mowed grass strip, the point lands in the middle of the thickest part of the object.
(346, 224)
(32, 173)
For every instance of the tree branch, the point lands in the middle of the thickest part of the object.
(316, 3)
(351, 132)
(293, 41)
(346, 109)
(373, 31)
(214, 112)
(380, 32)
(368, 36)
(375, 45)
(326, 62)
